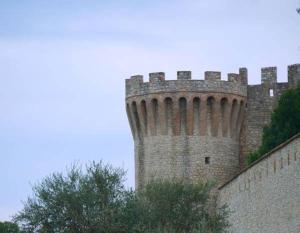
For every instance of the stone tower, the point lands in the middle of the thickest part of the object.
(200, 129)
(186, 128)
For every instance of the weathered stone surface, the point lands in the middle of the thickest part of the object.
(266, 197)
(174, 131)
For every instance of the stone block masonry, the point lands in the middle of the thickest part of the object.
(186, 128)
(265, 198)
(261, 100)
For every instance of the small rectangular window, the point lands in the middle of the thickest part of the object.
(271, 92)
(207, 160)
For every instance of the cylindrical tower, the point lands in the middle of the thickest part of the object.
(186, 128)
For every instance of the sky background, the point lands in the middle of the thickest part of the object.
(63, 65)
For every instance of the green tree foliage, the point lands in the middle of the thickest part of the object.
(9, 227)
(178, 207)
(95, 201)
(79, 202)
(285, 123)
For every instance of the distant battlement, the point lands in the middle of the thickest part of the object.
(236, 82)
(269, 75)
(294, 75)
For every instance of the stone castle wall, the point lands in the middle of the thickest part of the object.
(265, 197)
(186, 128)
(261, 101)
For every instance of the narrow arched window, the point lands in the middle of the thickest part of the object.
(144, 116)
(136, 119)
(168, 115)
(210, 119)
(233, 118)
(154, 104)
(224, 116)
(183, 115)
(196, 115)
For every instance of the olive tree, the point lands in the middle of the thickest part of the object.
(9, 227)
(94, 200)
(178, 206)
(89, 201)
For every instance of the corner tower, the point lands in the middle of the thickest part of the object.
(186, 128)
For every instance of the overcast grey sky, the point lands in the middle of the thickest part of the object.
(63, 65)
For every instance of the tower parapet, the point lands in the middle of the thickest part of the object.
(212, 83)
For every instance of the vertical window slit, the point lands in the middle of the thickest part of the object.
(207, 160)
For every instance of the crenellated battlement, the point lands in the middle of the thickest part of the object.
(212, 83)
(236, 82)
(269, 75)
(294, 75)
